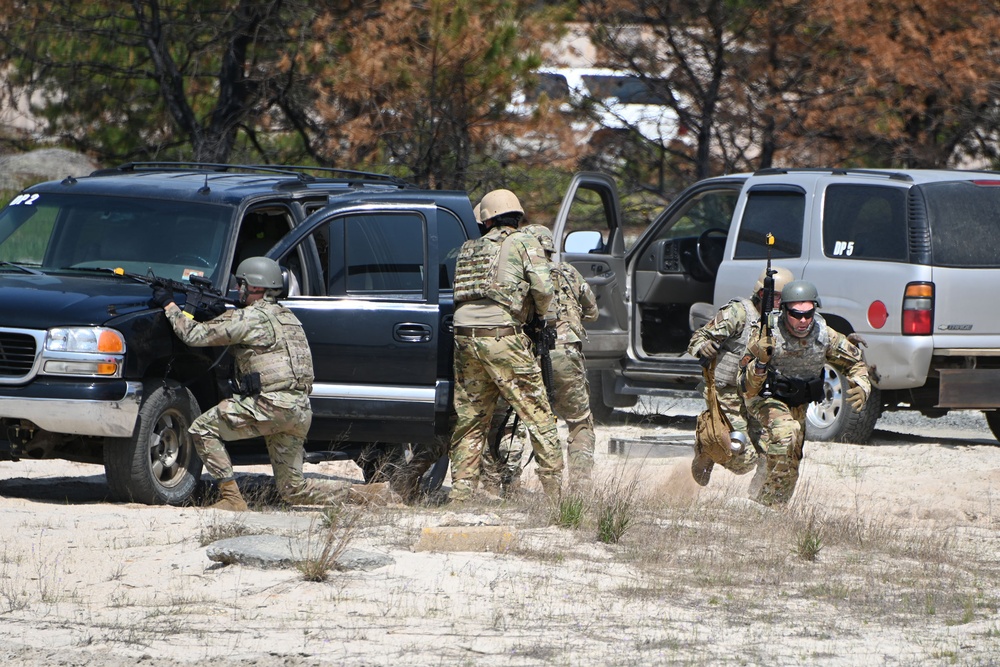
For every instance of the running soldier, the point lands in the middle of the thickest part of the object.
(724, 338)
(783, 372)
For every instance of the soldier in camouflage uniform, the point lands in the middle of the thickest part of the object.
(501, 282)
(274, 365)
(573, 303)
(724, 338)
(783, 372)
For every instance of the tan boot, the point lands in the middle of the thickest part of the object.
(701, 466)
(232, 500)
(373, 494)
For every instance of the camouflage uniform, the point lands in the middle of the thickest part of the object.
(266, 338)
(784, 424)
(730, 328)
(502, 280)
(573, 304)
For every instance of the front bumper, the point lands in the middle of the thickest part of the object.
(103, 409)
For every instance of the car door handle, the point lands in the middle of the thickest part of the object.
(604, 279)
(412, 332)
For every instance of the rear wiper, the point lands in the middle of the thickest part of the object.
(21, 267)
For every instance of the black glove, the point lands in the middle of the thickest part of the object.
(162, 295)
(211, 310)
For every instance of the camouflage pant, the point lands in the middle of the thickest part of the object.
(486, 369)
(732, 406)
(282, 419)
(572, 403)
(782, 439)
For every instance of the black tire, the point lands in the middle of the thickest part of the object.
(833, 420)
(600, 410)
(158, 465)
(379, 463)
(993, 421)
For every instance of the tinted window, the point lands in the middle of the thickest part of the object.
(964, 220)
(865, 222)
(451, 236)
(777, 212)
(384, 253)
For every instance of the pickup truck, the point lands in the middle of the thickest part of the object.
(90, 372)
(905, 258)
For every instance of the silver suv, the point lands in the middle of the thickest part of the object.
(909, 259)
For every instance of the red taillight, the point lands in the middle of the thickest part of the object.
(918, 309)
(987, 183)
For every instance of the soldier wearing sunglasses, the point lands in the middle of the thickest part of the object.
(782, 373)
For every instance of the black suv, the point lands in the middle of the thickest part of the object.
(90, 372)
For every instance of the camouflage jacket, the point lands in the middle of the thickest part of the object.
(265, 337)
(574, 303)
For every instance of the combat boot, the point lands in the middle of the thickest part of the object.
(232, 500)
(372, 494)
(701, 466)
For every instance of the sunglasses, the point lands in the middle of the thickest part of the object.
(801, 314)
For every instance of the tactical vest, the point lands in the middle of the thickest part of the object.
(285, 364)
(733, 349)
(801, 358)
(479, 267)
(565, 305)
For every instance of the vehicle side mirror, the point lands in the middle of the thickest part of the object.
(583, 242)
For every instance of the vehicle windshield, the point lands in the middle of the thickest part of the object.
(57, 232)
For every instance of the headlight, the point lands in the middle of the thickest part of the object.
(85, 339)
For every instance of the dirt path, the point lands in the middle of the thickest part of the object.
(907, 574)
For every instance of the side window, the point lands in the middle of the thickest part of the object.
(865, 222)
(261, 229)
(385, 253)
(589, 211)
(451, 236)
(708, 210)
(771, 211)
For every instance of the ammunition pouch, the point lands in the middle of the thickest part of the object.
(793, 391)
(248, 385)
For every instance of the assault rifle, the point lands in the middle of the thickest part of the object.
(767, 302)
(202, 301)
(767, 305)
(543, 337)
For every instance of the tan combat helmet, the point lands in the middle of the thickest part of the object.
(544, 236)
(497, 203)
(782, 277)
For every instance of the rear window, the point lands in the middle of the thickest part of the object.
(865, 222)
(964, 220)
(776, 211)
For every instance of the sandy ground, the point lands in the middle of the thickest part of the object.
(84, 581)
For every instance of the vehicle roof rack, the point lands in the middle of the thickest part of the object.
(836, 171)
(300, 172)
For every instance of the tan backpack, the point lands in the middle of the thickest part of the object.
(712, 429)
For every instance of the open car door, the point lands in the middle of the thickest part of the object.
(589, 235)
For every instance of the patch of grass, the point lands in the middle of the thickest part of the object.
(809, 541)
(616, 508)
(338, 526)
(222, 529)
(571, 511)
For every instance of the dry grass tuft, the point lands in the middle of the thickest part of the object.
(338, 526)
